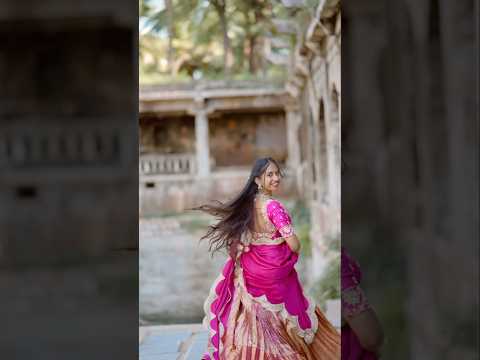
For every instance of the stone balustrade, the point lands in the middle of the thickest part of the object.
(164, 164)
(21, 147)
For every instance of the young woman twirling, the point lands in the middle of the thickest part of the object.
(256, 308)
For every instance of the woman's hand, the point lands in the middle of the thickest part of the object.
(368, 330)
(293, 243)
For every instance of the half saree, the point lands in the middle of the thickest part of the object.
(256, 308)
(354, 302)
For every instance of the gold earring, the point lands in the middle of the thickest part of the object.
(261, 189)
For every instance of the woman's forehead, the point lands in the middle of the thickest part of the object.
(271, 167)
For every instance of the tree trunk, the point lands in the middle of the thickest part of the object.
(259, 39)
(220, 7)
(252, 66)
(171, 35)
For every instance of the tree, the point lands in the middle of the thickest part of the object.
(220, 7)
(208, 38)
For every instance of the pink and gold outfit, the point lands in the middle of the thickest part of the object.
(354, 302)
(257, 309)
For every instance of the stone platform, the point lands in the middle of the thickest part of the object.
(172, 342)
(189, 341)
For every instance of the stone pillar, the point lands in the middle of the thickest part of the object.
(202, 143)
(333, 151)
(294, 119)
(293, 145)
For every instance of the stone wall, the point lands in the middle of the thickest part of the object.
(176, 193)
(68, 175)
(315, 85)
(411, 152)
(85, 139)
(235, 139)
(239, 139)
(168, 135)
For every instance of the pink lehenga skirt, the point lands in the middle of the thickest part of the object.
(255, 328)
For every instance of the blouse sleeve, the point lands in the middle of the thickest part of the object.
(280, 218)
(353, 298)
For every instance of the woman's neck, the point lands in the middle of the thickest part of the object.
(265, 193)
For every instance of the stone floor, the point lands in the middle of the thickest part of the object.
(175, 272)
(172, 342)
(189, 341)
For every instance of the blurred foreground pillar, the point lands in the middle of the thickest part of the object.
(201, 143)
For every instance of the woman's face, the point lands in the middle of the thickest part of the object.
(270, 179)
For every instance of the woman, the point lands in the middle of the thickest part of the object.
(362, 334)
(256, 308)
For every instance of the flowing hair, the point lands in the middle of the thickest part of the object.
(236, 216)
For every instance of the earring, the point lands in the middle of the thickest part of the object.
(261, 189)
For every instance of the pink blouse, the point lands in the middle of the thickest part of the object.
(354, 302)
(280, 218)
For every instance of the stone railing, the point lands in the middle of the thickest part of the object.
(57, 144)
(156, 164)
(203, 85)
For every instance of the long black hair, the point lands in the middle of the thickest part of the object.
(236, 216)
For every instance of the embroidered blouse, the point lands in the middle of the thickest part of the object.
(353, 298)
(277, 223)
(279, 217)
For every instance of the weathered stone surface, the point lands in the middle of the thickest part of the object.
(410, 148)
(68, 179)
(176, 193)
(315, 122)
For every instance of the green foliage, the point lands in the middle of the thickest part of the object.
(301, 220)
(328, 286)
(186, 38)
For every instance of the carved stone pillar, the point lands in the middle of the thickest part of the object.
(202, 142)
(294, 119)
(293, 123)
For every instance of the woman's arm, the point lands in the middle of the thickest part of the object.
(279, 217)
(293, 243)
(356, 310)
(368, 329)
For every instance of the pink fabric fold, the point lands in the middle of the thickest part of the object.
(220, 307)
(351, 276)
(268, 270)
